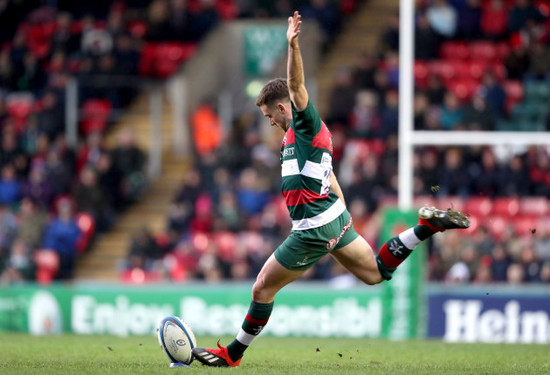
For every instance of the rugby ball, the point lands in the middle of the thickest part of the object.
(176, 340)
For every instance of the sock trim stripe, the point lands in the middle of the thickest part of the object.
(409, 238)
(245, 338)
(260, 322)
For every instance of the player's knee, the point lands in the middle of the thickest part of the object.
(372, 278)
(260, 293)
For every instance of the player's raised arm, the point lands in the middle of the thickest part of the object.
(295, 67)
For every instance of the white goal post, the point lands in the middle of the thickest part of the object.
(408, 137)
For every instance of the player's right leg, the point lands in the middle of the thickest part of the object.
(359, 259)
(272, 278)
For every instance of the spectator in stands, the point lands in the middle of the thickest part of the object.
(30, 77)
(50, 117)
(451, 175)
(7, 71)
(442, 18)
(427, 41)
(32, 222)
(435, 91)
(477, 114)
(363, 72)
(90, 152)
(390, 37)
(144, 250)
(90, 198)
(62, 236)
(8, 228)
(539, 61)
(487, 178)
(10, 149)
(545, 272)
(38, 188)
(57, 172)
(469, 20)
(129, 159)
(179, 20)
(420, 110)
(251, 195)
(203, 19)
(207, 128)
(19, 264)
(109, 179)
(531, 264)
(494, 20)
(452, 113)
(342, 97)
(63, 38)
(515, 274)
(519, 15)
(428, 172)
(10, 187)
(501, 262)
(494, 94)
(365, 119)
(390, 115)
(515, 178)
(327, 15)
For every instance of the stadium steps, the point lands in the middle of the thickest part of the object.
(360, 34)
(103, 261)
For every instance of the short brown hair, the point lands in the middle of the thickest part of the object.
(274, 90)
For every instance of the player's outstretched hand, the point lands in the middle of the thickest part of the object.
(293, 31)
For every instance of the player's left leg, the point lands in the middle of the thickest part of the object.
(272, 278)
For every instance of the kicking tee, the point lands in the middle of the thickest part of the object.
(306, 164)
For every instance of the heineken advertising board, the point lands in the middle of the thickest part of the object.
(387, 310)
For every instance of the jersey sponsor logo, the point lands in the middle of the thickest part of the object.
(289, 151)
(331, 244)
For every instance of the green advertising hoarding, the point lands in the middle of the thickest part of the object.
(388, 310)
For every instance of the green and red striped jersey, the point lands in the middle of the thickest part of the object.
(306, 164)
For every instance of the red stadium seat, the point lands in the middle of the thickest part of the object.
(506, 206)
(502, 50)
(47, 265)
(514, 93)
(525, 225)
(454, 50)
(19, 107)
(86, 223)
(95, 114)
(421, 74)
(478, 206)
(537, 206)
(483, 50)
(497, 225)
(463, 88)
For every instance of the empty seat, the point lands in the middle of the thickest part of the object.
(454, 50)
(478, 206)
(536, 206)
(483, 50)
(506, 206)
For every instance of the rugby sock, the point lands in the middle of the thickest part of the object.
(398, 248)
(255, 321)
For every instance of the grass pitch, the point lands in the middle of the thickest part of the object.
(69, 354)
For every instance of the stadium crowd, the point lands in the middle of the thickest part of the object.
(484, 68)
